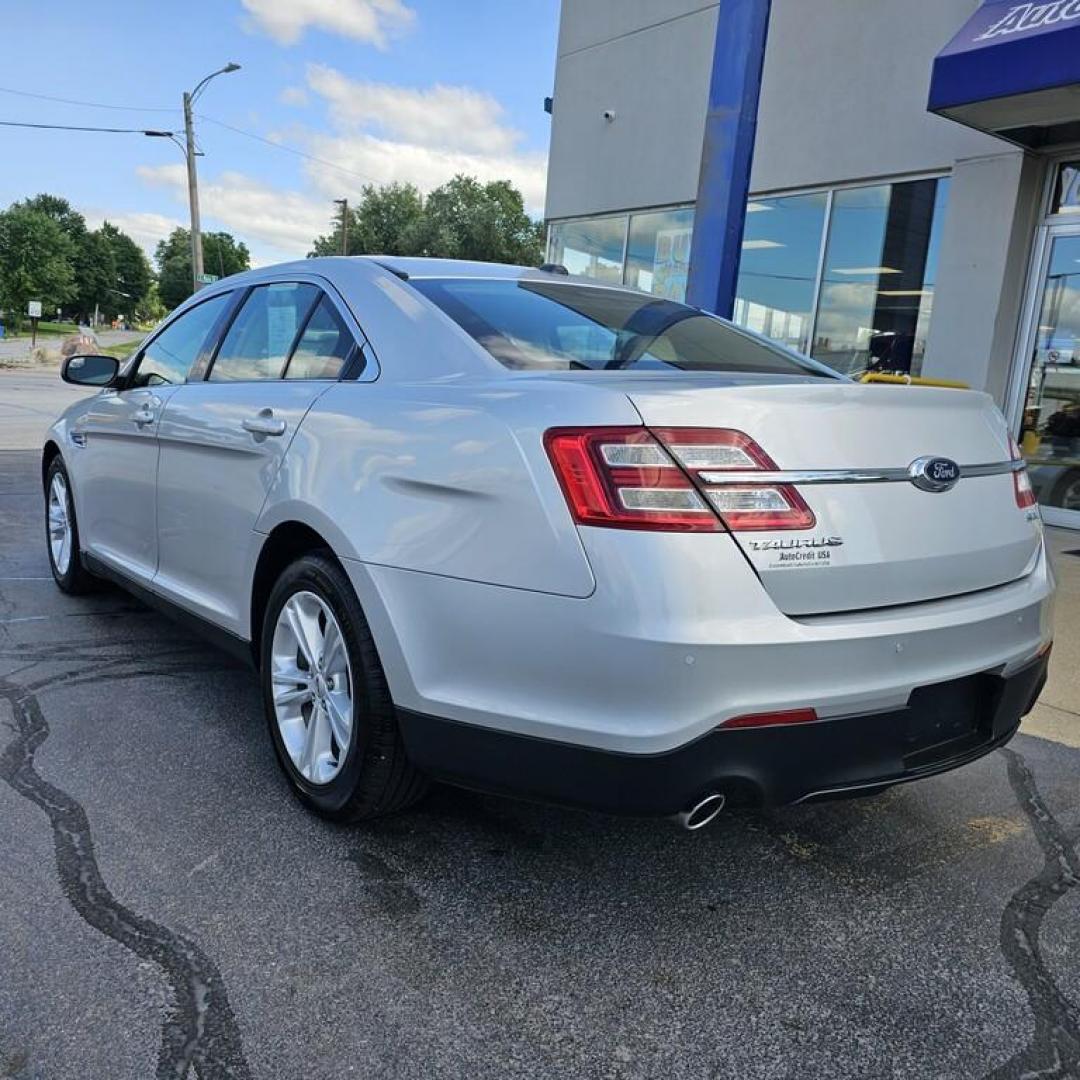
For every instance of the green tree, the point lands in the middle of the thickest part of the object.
(60, 210)
(465, 219)
(380, 225)
(36, 258)
(95, 275)
(222, 255)
(133, 277)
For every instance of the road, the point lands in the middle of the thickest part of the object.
(164, 901)
(12, 347)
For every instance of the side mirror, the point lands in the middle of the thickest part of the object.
(100, 371)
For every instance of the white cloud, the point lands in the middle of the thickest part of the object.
(381, 161)
(370, 21)
(421, 136)
(293, 95)
(277, 224)
(454, 117)
(379, 134)
(145, 228)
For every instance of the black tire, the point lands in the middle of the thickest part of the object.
(1066, 492)
(76, 579)
(376, 777)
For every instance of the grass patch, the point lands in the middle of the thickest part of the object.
(44, 329)
(122, 351)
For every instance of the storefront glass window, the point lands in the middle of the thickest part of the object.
(1050, 436)
(590, 246)
(877, 290)
(658, 252)
(778, 270)
(1067, 189)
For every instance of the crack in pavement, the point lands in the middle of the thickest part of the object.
(1054, 1050)
(201, 1032)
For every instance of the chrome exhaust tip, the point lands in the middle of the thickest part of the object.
(701, 813)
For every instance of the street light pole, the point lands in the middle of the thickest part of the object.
(193, 194)
(344, 204)
(193, 183)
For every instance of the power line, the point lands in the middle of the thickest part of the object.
(287, 148)
(87, 104)
(75, 127)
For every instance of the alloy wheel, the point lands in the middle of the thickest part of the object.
(312, 687)
(59, 524)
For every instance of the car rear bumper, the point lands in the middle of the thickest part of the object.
(941, 727)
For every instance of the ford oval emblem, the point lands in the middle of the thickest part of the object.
(934, 473)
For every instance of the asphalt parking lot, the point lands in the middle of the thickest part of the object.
(166, 905)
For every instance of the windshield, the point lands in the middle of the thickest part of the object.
(564, 326)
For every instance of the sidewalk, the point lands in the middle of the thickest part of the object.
(1057, 715)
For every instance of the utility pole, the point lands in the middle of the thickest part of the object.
(193, 194)
(344, 204)
(193, 183)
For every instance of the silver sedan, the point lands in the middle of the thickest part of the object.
(546, 536)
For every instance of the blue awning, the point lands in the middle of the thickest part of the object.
(1014, 71)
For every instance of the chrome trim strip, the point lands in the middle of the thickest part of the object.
(844, 476)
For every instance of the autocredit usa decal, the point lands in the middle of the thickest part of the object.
(796, 551)
(1025, 17)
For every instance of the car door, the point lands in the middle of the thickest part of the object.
(223, 440)
(115, 469)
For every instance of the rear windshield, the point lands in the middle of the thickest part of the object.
(564, 326)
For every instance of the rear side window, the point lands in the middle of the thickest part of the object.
(170, 356)
(565, 326)
(262, 334)
(323, 347)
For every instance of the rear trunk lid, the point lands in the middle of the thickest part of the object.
(873, 544)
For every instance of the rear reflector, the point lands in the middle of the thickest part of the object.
(634, 478)
(772, 719)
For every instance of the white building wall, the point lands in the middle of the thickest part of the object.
(843, 100)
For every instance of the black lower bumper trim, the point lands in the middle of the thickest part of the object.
(943, 726)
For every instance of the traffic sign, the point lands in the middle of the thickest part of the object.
(206, 279)
(33, 309)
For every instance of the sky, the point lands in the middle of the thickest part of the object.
(378, 90)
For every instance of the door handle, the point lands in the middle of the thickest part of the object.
(264, 423)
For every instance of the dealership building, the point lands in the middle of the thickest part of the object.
(913, 204)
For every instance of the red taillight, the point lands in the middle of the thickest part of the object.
(1022, 489)
(622, 478)
(772, 719)
(671, 479)
(746, 506)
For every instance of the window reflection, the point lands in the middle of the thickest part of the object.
(1051, 431)
(259, 340)
(778, 271)
(658, 252)
(592, 247)
(878, 286)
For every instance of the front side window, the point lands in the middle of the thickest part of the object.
(324, 346)
(170, 356)
(262, 334)
(564, 326)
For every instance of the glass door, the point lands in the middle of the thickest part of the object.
(1050, 420)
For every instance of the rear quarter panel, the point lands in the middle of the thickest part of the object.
(443, 479)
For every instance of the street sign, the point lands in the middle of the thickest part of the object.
(33, 309)
(206, 279)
